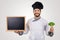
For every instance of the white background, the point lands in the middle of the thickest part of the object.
(51, 12)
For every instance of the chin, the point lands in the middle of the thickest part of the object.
(37, 15)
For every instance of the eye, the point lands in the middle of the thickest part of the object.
(37, 10)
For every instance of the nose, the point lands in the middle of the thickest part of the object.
(36, 11)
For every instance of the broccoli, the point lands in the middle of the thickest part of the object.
(51, 24)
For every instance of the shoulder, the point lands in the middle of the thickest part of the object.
(44, 20)
(30, 19)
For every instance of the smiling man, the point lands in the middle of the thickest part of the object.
(37, 25)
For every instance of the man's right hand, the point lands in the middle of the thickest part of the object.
(19, 32)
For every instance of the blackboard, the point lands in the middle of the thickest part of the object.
(16, 23)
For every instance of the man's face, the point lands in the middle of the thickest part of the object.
(37, 12)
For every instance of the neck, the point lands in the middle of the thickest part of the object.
(37, 17)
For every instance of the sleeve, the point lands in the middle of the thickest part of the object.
(26, 28)
(46, 28)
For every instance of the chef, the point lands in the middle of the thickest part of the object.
(37, 25)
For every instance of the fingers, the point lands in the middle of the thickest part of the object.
(51, 29)
(16, 31)
(19, 32)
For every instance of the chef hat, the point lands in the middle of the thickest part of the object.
(38, 5)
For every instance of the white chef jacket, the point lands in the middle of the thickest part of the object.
(37, 28)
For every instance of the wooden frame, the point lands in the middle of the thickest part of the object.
(15, 16)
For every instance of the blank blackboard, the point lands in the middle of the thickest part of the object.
(15, 23)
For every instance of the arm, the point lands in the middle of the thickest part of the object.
(46, 28)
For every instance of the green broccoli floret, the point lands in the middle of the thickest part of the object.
(51, 24)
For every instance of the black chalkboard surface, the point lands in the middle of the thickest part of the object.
(16, 23)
